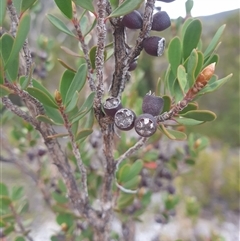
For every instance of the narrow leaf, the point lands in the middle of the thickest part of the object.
(182, 78)
(214, 42)
(83, 134)
(136, 168)
(70, 52)
(188, 6)
(86, 4)
(167, 103)
(215, 85)
(190, 106)
(200, 115)
(85, 108)
(65, 6)
(22, 32)
(199, 64)
(4, 91)
(39, 86)
(172, 134)
(124, 173)
(26, 4)
(6, 45)
(126, 7)
(65, 83)
(187, 121)
(191, 68)
(78, 82)
(41, 96)
(60, 135)
(132, 183)
(124, 200)
(174, 54)
(24, 82)
(66, 65)
(191, 37)
(59, 24)
(114, 3)
(45, 119)
(73, 103)
(178, 92)
(54, 114)
(17, 193)
(3, 11)
(3, 189)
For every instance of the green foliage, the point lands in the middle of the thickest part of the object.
(65, 6)
(125, 8)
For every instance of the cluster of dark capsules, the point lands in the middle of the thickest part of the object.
(153, 45)
(125, 119)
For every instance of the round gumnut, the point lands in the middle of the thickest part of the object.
(124, 119)
(154, 45)
(145, 125)
(161, 21)
(133, 20)
(112, 105)
(152, 104)
(132, 66)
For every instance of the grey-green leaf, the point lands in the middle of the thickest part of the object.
(126, 7)
(182, 77)
(59, 24)
(65, 6)
(83, 134)
(78, 82)
(175, 54)
(22, 32)
(191, 37)
(86, 4)
(214, 42)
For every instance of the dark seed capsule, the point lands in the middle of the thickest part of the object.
(152, 105)
(161, 21)
(41, 152)
(124, 119)
(171, 189)
(133, 20)
(112, 105)
(145, 125)
(154, 45)
(132, 66)
(164, 173)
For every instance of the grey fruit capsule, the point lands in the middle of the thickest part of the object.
(145, 125)
(112, 105)
(152, 104)
(124, 119)
(154, 45)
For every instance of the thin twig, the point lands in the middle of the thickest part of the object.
(85, 48)
(76, 151)
(123, 55)
(19, 223)
(131, 150)
(16, 110)
(101, 37)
